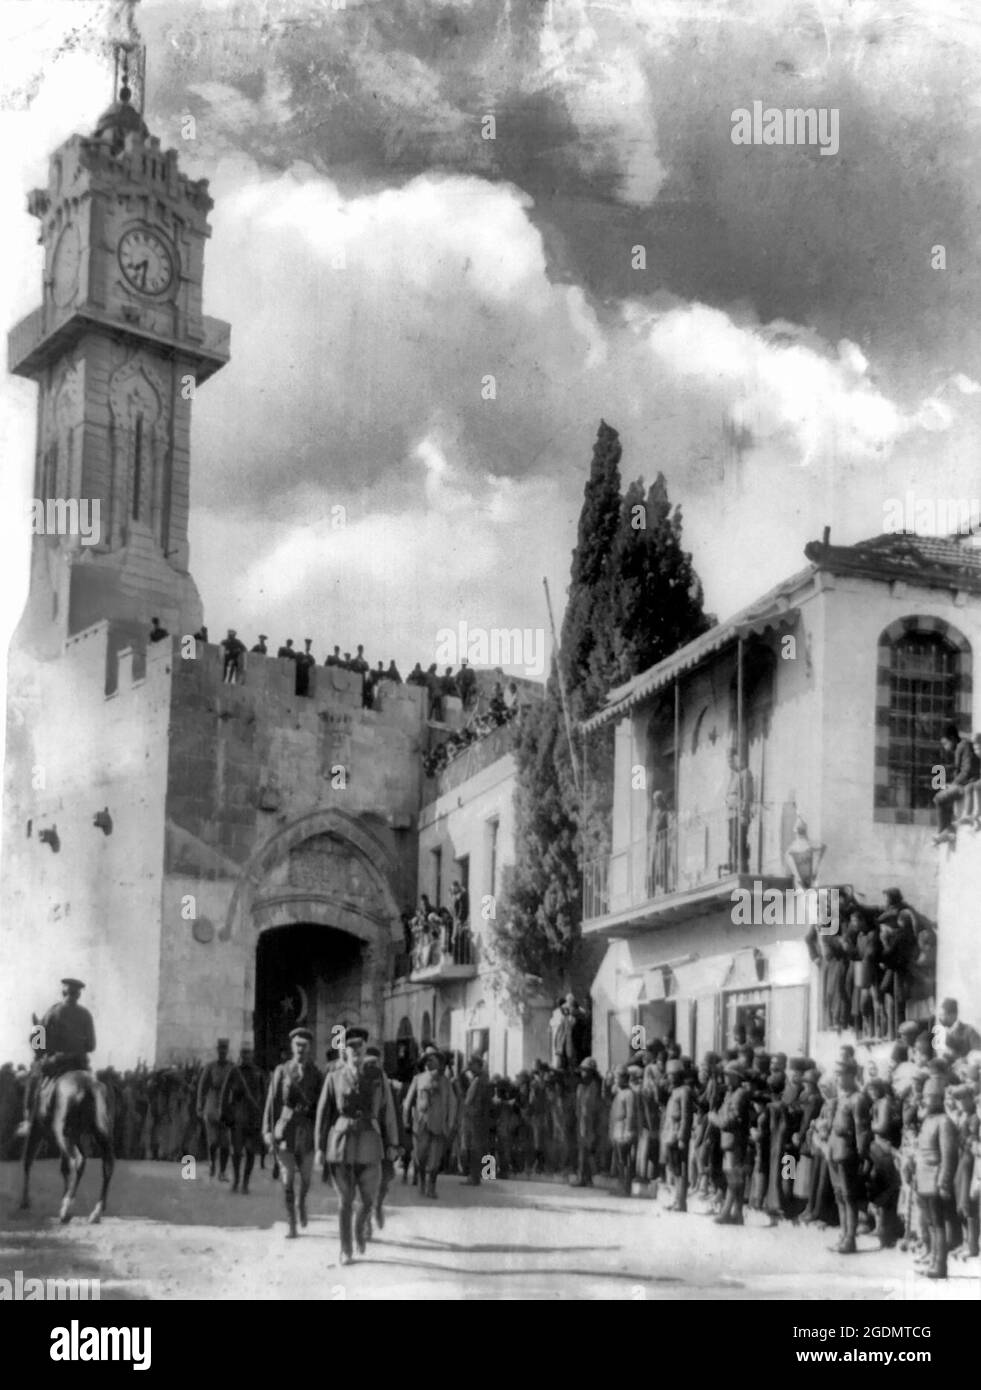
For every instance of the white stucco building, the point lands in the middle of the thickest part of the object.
(836, 686)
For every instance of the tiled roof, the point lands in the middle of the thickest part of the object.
(937, 560)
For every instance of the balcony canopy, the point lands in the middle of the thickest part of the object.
(773, 611)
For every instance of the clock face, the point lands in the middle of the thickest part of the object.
(67, 257)
(146, 261)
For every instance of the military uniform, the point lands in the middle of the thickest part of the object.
(625, 1130)
(210, 1085)
(475, 1124)
(936, 1164)
(676, 1126)
(429, 1111)
(241, 1105)
(69, 1037)
(732, 1121)
(288, 1120)
(848, 1152)
(356, 1129)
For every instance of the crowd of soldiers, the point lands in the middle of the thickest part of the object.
(888, 1147)
(891, 1149)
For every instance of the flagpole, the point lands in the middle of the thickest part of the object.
(565, 703)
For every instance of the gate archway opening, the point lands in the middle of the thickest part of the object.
(306, 975)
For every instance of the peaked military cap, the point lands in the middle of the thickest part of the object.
(355, 1034)
(301, 1033)
(73, 984)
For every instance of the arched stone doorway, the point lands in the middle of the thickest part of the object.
(309, 975)
(317, 919)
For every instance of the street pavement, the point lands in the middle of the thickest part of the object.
(175, 1238)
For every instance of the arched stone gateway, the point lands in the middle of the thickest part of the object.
(315, 916)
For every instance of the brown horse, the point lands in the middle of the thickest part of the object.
(76, 1107)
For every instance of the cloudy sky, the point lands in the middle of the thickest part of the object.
(789, 357)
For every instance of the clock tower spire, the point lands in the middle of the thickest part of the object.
(118, 348)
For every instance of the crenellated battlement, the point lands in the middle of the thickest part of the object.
(268, 692)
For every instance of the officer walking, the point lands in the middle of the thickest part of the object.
(66, 1039)
(355, 1130)
(210, 1083)
(288, 1123)
(240, 1107)
(429, 1110)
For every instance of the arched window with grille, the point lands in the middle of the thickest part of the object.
(924, 682)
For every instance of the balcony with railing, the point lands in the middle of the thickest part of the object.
(435, 960)
(681, 867)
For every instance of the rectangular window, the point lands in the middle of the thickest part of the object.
(437, 877)
(746, 1017)
(137, 464)
(463, 873)
(493, 827)
(923, 696)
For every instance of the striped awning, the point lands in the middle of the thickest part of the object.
(774, 611)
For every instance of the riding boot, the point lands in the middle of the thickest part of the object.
(222, 1165)
(432, 1183)
(249, 1164)
(972, 1235)
(291, 1215)
(236, 1170)
(347, 1224)
(361, 1229)
(302, 1208)
(212, 1152)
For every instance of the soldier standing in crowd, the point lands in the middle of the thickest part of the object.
(676, 1124)
(288, 1123)
(848, 1151)
(210, 1084)
(240, 1106)
(260, 647)
(429, 1110)
(287, 653)
(588, 1114)
(936, 1163)
(355, 1130)
(475, 1122)
(624, 1129)
(732, 1121)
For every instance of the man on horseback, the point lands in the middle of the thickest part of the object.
(66, 1037)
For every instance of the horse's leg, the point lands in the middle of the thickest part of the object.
(102, 1134)
(31, 1146)
(74, 1157)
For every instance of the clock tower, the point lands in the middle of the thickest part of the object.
(118, 348)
